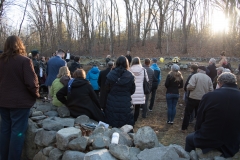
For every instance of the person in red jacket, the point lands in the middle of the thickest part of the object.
(18, 93)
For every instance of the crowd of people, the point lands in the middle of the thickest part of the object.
(117, 94)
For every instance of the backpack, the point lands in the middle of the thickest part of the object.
(69, 85)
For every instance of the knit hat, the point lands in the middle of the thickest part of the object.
(175, 67)
(154, 60)
(202, 68)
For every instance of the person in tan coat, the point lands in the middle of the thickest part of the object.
(198, 85)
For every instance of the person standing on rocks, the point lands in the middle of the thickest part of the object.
(101, 82)
(218, 120)
(120, 86)
(157, 74)
(138, 98)
(173, 83)
(18, 93)
(53, 66)
(199, 84)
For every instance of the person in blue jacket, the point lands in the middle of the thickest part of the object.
(157, 74)
(92, 77)
(53, 66)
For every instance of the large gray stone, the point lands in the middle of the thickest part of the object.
(221, 158)
(193, 155)
(78, 144)
(126, 128)
(37, 113)
(124, 138)
(38, 118)
(133, 152)
(66, 122)
(65, 135)
(210, 154)
(119, 151)
(40, 156)
(44, 108)
(146, 138)
(51, 125)
(158, 153)
(180, 151)
(30, 149)
(82, 119)
(73, 155)
(51, 113)
(63, 112)
(102, 154)
(100, 142)
(99, 130)
(45, 138)
(47, 150)
(55, 154)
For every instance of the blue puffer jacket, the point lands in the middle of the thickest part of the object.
(120, 84)
(157, 72)
(92, 77)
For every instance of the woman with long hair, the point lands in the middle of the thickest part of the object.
(120, 86)
(18, 93)
(63, 74)
(138, 98)
(173, 83)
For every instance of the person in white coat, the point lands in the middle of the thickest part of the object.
(138, 98)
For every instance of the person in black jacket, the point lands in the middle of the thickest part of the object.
(75, 65)
(81, 98)
(101, 82)
(35, 61)
(120, 85)
(129, 57)
(193, 69)
(173, 83)
(212, 69)
(218, 120)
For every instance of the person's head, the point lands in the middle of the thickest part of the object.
(13, 46)
(128, 53)
(110, 64)
(47, 59)
(175, 73)
(43, 59)
(72, 57)
(63, 71)
(226, 78)
(35, 53)
(54, 54)
(220, 70)
(61, 53)
(212, 61)
(147, 62)
(122, 62)
(79, 73)
(154, 60)
(202, 69)
(76, 59)
(194, 68)
(136, 61)
(223, 53)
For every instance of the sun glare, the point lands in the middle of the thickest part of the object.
(219, 23)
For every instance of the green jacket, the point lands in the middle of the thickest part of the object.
(56, 86)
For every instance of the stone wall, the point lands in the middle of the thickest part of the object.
(53, 135)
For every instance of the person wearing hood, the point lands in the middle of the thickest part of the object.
(81, 98)
(199, 84)
(75, 65)
(120, 86)
(157, 73)
(138, 98)
(92, 76)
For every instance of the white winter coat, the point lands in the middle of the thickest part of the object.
(138, 97)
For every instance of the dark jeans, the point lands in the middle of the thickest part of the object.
(193, 113)
(145, 109)
(153, 94)
(191, 105)
(13, 127)
(136, 111)
(189, 145)
(172, 100)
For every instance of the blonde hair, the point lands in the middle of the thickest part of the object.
(63, 71)
(177, 75)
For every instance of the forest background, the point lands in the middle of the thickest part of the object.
(96, 28)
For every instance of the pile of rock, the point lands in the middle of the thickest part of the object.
(53, 135)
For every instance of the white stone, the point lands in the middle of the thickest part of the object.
(102, 154)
